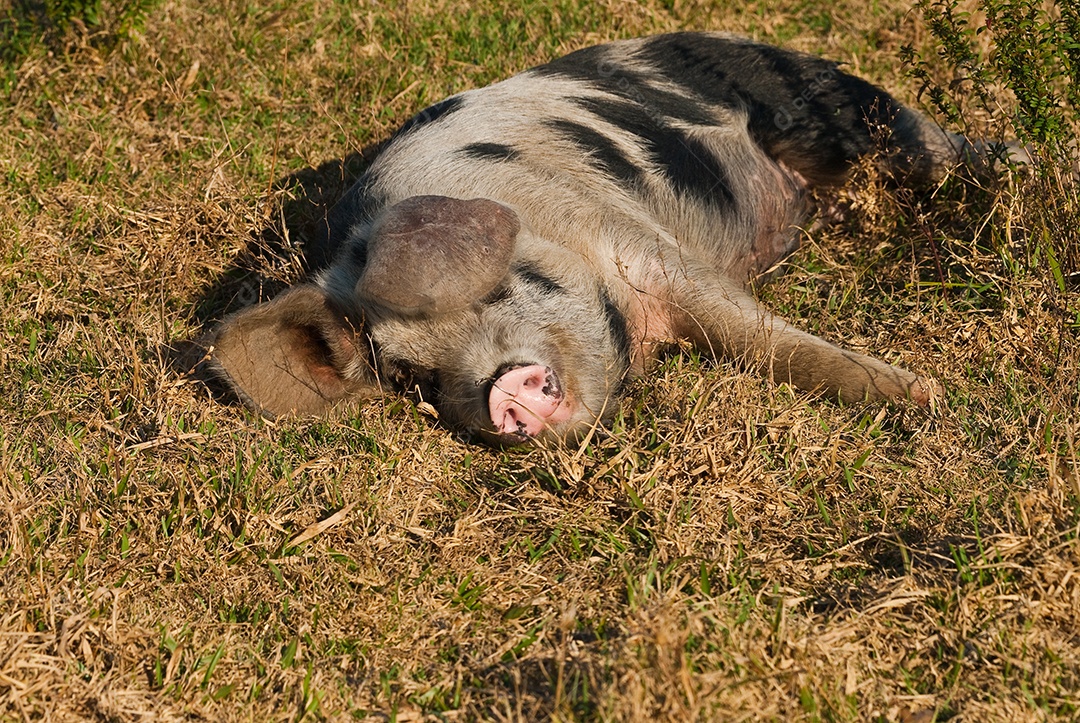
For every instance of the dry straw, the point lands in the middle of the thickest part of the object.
(730, 550)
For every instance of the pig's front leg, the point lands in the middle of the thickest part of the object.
(722, 318)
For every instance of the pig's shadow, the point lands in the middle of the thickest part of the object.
(302, 242)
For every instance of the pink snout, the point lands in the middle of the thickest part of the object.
(525, 400)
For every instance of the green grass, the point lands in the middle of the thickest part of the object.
(734, 550)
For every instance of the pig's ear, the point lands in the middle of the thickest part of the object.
(432, 254)
(294, 355)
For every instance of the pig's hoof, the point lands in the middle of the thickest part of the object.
(926, 392)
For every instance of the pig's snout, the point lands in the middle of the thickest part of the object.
(525, 400)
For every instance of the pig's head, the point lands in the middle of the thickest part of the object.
(506, 334)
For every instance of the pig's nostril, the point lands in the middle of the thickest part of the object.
(524, 400)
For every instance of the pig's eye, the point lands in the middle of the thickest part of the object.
(499, 293)
(408, 378)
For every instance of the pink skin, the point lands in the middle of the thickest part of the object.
(527, 400)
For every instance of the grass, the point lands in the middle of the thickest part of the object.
(733, 551)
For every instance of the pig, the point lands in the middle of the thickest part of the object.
(516, 253)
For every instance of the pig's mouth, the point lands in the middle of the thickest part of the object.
(526, 399)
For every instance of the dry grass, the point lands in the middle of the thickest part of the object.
(732, 551)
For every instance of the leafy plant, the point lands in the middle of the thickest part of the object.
(1017, 64)
(1034, 54)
